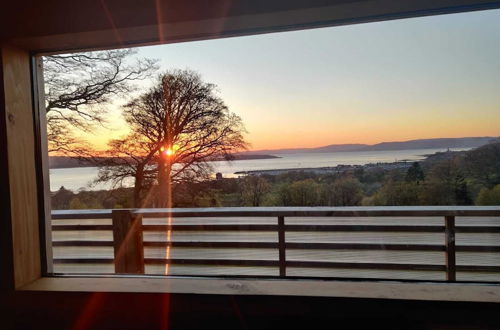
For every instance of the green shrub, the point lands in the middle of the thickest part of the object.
(489, 196)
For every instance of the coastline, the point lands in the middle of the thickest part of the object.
(57, 162)
(330, 169)
(320, 163)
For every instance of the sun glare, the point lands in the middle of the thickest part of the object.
(167, 151)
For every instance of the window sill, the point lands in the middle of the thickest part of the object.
(279, 287)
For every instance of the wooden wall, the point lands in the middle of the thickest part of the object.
(162, 311)
(19, 147)
(20, 262)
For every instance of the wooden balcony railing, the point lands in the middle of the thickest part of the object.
(128, 228)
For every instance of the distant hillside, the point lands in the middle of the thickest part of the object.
(440, 143)
(341, 147)
(466, 142)
(329, 148)
(443, 143)
(245, 156)
(68, 162)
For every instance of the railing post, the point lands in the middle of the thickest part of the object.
(450, 248)
(281, 245)
(128, 246)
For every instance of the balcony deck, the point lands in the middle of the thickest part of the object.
(405, 243)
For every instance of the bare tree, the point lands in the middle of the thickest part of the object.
(79, 86)
(181, 124)
(131, 157)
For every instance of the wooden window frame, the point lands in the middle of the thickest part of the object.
(25, 235)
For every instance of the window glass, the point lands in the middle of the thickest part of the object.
(365, 151)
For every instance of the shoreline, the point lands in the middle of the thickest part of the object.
(58, 162)
(330, 169)
(72, 180)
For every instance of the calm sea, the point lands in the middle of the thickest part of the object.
(81, 178)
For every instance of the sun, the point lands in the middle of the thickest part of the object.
(167, 151)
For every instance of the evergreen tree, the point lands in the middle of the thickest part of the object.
(415, 173)
(461, 192)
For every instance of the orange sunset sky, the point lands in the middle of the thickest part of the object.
(389, 81)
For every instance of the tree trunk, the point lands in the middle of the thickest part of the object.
(160, 197)
(168, 190)
(139, 178)
(164, 184)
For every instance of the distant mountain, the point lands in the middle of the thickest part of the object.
(66, 162)
(328, 148)
(443, 143)
(245, 156)
(341, 147)
(465, 142)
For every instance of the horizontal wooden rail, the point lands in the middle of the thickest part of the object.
(366, 228)
(246, 245)
(365, 265)
(478, 248)
(81, 227)
(316, 228)
(271, 212)
(260, 227)
(242, 227)
(290, 263)
(212, 262)
(268, 245)
(477, 229)
(289, 245)
(83, 243)
(364, 246)
(84, 261)
(478, 268)
(292, 245)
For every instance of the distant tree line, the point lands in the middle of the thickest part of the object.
(462, 178)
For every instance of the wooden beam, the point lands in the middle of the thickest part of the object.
(42, 166)
(236, 227)
(6, 246)
(277, 287)
(212, 262)
(24, 216)
(451, 271)
(198, 244)
(203, 20)
(366, 228)
(316, 211)
(81, 227)
(364, 246)
(128, 246)
(282, 246)
(364, 265)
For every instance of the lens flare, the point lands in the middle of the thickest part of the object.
(167, 151)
